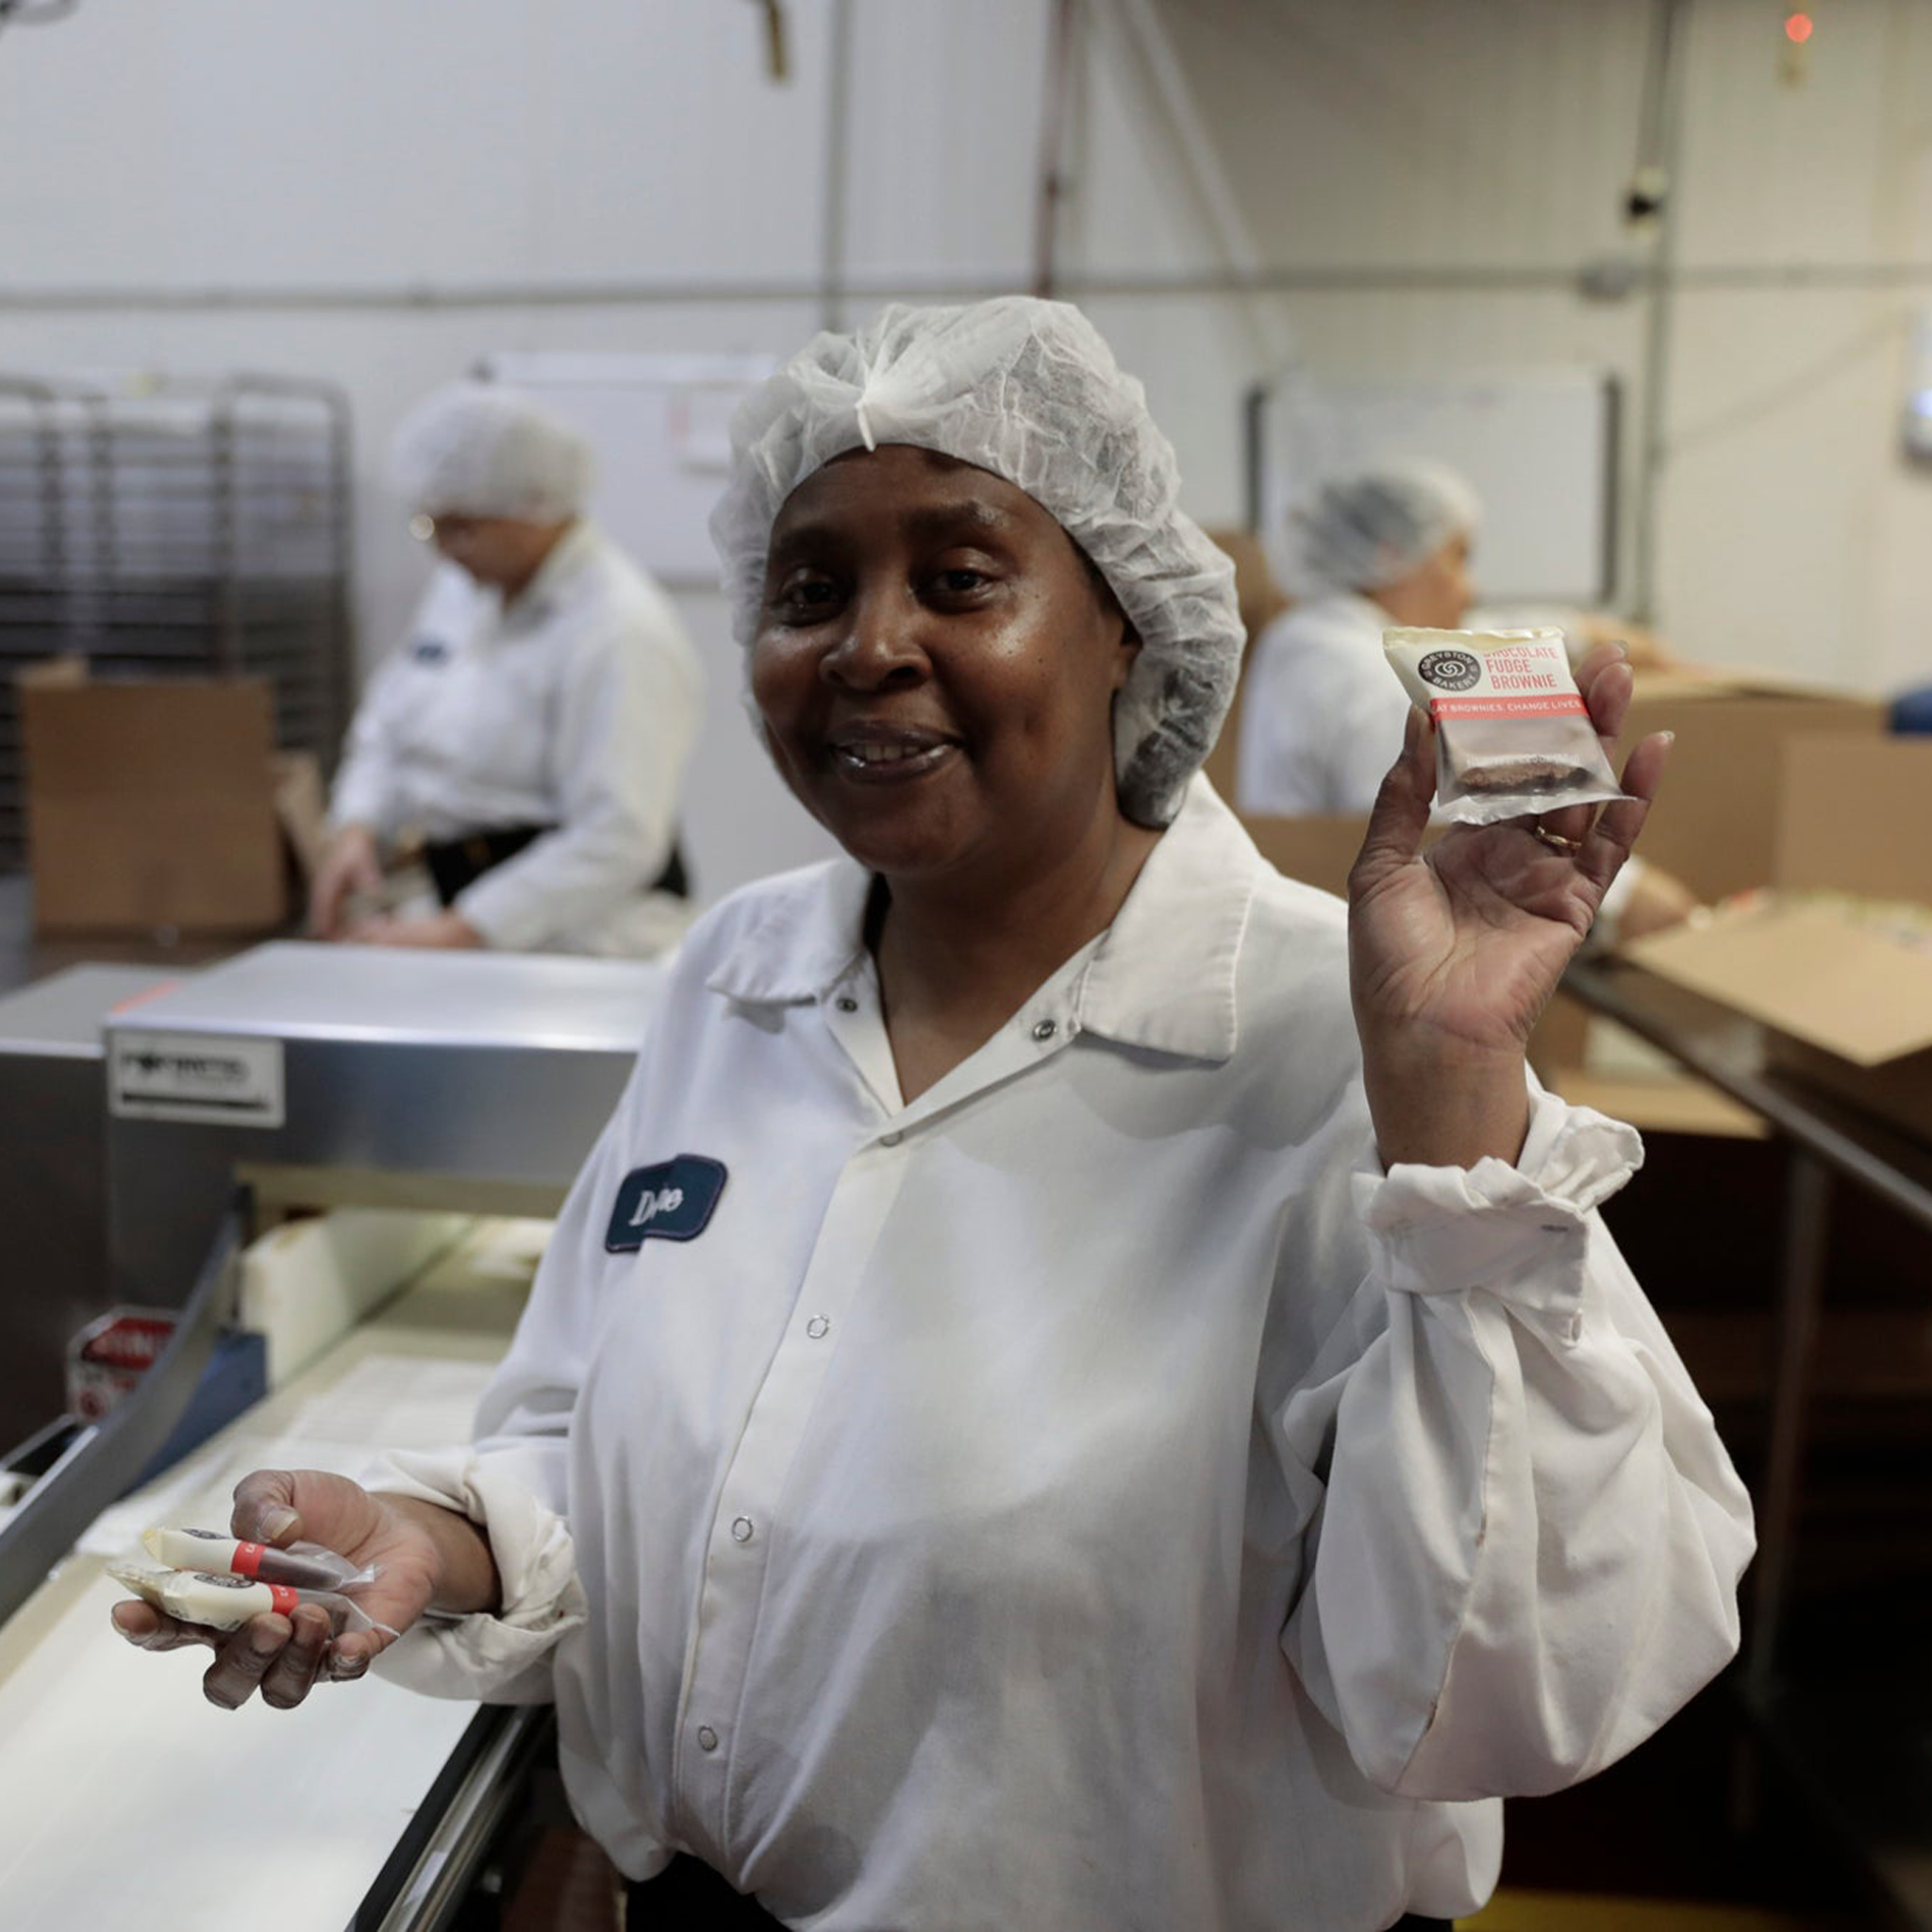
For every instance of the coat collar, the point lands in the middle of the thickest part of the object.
(1162, 978)
(567, 555)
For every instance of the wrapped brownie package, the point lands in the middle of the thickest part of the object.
(1513, 736)
(226, 1603)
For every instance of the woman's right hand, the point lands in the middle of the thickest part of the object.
(284, 1657)
(350, 868)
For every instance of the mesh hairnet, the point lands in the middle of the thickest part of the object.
(1359, 532)
(1027, 390)
(478, 449)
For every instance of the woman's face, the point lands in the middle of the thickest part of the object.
(935, 666)
(1437, 593)
(502, 553)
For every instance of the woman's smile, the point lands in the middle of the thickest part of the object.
(936, 665)
(872, 752)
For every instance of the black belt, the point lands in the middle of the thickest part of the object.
(456, 864)
(687, 1896)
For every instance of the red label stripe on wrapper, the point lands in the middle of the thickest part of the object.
(1545, 705)
(285, 1599)
(246, 1561)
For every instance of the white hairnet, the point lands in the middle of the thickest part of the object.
(1362, 531)
(478, 449)
(1027, 390)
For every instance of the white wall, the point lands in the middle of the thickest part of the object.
(380, 193)
(1478, 151)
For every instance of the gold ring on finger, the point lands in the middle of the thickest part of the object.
(1554, 841)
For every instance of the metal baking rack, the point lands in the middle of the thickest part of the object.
(175, 529)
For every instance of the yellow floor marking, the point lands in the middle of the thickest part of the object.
(1557, 1911)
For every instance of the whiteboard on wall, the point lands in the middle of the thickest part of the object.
(1539, 446)
(660, 426)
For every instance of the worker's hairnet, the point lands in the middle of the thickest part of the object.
(1372, 528)
(479, 449)
(1028, 390)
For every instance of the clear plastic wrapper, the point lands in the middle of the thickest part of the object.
(302, 1566)
(1513, 737)
(227, 1602)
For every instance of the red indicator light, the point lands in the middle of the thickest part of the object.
(1797, 28)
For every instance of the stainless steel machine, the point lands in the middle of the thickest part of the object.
(53, 1194)
(329, 1074)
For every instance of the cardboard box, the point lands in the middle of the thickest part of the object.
(1852, 817)
(1318, 851)
(1715, 823)
(154, 804)
(1847, 996)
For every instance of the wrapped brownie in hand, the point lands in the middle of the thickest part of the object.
(1512, 734)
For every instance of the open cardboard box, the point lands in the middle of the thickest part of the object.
(1715, 823)
(161, 805)
(1847, 997)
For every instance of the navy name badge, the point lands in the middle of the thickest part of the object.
(670, 1202)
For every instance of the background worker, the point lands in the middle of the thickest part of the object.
(535, 725)
(1322, 718)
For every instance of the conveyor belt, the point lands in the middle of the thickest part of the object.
(126, 1799)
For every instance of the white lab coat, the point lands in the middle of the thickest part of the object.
(1091, 1494)
(1321, 713)
(576, 709)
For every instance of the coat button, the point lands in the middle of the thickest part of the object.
(1045, 1029)
(741, 1529)
(819, 1327)
(707, 1738)
(846, 1004)
(891, 1137)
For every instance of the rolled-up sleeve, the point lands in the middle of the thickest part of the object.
(1529, 1536)
(501, 1656)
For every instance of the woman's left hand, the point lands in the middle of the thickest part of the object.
(1453, 956)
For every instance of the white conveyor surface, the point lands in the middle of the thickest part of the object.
(130, 1804)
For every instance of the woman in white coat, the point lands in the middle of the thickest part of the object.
(534, 728)
(1043, 1410)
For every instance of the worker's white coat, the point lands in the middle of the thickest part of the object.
(576, 708)
(1092, 1494)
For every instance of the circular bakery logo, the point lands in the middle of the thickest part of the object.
(1449, 670)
